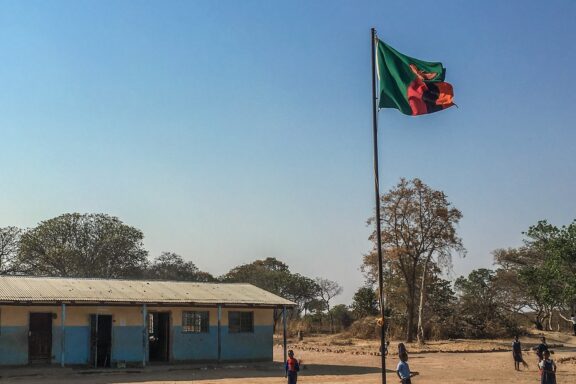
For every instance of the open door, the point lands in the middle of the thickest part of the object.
(159, 336)
(100, 340)
(40, 338)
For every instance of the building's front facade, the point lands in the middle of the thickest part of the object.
(107, 323)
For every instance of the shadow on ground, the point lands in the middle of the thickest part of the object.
(176, 374)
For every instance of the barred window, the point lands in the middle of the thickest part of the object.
(240, 322)
(195, 322)
(150, 323)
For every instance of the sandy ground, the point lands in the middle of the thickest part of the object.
(337, 360)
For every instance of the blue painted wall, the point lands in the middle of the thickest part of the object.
(13, 345)
(194, 346)
(127, 344)
(248, 346)
(77, 344)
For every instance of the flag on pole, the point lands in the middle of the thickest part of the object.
(413, 86)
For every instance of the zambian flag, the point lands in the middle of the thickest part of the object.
(413, 86)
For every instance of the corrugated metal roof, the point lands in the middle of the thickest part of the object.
(55, 289)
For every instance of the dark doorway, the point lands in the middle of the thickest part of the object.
(40, 338)
(100, 340)
(159, 336)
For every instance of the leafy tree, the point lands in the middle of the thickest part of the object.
(314, 306)
(9, 240)
(275, 276)
(302, 290)
(171, 266)
(540, 275)
(418, 233)
(477, 299)
(83, 245)
(365, 302)
(516, 275)
(480, 305)
(269, 274)
(555, 273)
(440, 309)
(328, 289)
(341, 315)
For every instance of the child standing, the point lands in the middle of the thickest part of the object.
(541, 348)
(385, 348)
(403, 370)
(517, 354)
(292, 368)
(547, 369)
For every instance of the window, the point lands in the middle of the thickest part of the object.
(240, 322)
(150, 323)
(195, 322)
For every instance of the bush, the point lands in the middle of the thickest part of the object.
(365, 328)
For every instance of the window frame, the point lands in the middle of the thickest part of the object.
(199, 322)
(243, 324)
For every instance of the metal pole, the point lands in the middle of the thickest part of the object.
(144, 334)
(377, 196)
(63, 335)
(219, 332)
(284, 334)
(96, 349)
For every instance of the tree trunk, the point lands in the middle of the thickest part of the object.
(543, 320)
(275, 317)
(420, 330)
(539, 320)
(330, 319)
(410, 319)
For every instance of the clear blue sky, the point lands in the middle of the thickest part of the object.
(234, 130)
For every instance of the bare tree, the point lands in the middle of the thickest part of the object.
(328, 289)
(418, 232)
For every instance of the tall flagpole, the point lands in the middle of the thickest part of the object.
(377, 195)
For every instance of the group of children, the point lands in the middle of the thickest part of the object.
(546, 365)
(402, 370)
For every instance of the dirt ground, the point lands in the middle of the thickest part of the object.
(340, 360)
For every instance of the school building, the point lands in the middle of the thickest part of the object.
(113, 323)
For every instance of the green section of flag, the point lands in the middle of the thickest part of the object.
(396, 75)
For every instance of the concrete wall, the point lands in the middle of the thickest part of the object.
(128, 335)
(249, 346)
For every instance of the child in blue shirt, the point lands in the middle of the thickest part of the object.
(403, 370)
